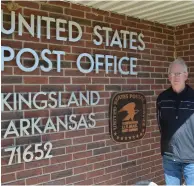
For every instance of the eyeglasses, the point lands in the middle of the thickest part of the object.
(172, 74)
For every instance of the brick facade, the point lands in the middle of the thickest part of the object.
(89, 156)
(185, 47)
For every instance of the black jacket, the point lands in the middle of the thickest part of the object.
(175, 114)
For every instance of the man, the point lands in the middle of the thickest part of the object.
(175, 114)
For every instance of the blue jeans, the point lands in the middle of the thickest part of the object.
(173, 171)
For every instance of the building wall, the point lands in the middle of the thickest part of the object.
(185, 47)
(87, 156)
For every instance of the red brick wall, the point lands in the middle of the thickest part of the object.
(185, 47)
(87, 156)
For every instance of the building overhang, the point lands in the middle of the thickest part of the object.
(172, 13)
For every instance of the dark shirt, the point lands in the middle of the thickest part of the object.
(175, 114)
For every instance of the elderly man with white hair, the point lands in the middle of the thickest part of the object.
(175, 114)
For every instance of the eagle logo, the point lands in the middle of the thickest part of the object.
(127, 116)
(131, 111)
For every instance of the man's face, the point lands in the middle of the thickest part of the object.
(177, 76)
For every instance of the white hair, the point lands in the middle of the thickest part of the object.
(180, 61)
(146, 182)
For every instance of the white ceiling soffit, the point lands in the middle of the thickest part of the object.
(170, 12)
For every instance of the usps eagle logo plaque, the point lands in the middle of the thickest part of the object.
(127, 116)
